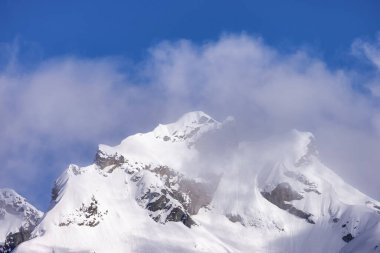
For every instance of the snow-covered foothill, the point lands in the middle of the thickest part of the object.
(17, 219)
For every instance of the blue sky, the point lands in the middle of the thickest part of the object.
(128, 28)
(77, 73)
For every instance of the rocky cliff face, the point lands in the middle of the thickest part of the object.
(172, 196)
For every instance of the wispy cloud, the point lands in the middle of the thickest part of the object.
(368, 49)
(64, 105)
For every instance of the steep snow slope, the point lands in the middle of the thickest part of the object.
(169, 145)
(178, 189)
(17, 219)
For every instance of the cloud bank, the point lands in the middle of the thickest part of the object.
(58, 111)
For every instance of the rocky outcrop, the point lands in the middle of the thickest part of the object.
(168, 195)
(14, 239)
(103, 160)
(348, 237)
(282, 195)
(87, 215)
(175, 198)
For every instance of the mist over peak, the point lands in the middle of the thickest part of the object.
(267, 91)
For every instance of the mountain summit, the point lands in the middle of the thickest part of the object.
(167, 191)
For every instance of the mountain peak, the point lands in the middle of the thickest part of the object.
(188, 127)
(195, 117)
(159, 145)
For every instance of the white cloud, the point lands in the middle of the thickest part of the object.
(271, 92)
(369, 50)
(64, 104)
(51, 114)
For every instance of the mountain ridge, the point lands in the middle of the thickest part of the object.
(167, 191)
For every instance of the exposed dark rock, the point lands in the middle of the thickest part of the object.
(178, 215)
(14, 239)
(166, 174)
(235, 218)
(55, 193)
(159, 204)
(377, 207)
(178, 199)
(335, 220)
(86, 215)
(301, 214)
(58, 186)
(348, 237)
(192, 194)
(103, 160)
(284, 193)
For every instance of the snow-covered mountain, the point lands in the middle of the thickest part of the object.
(190, 186)
(18, 218)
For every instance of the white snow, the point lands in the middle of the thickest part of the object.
(15, 212)
(239, 219)
(169, 144)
